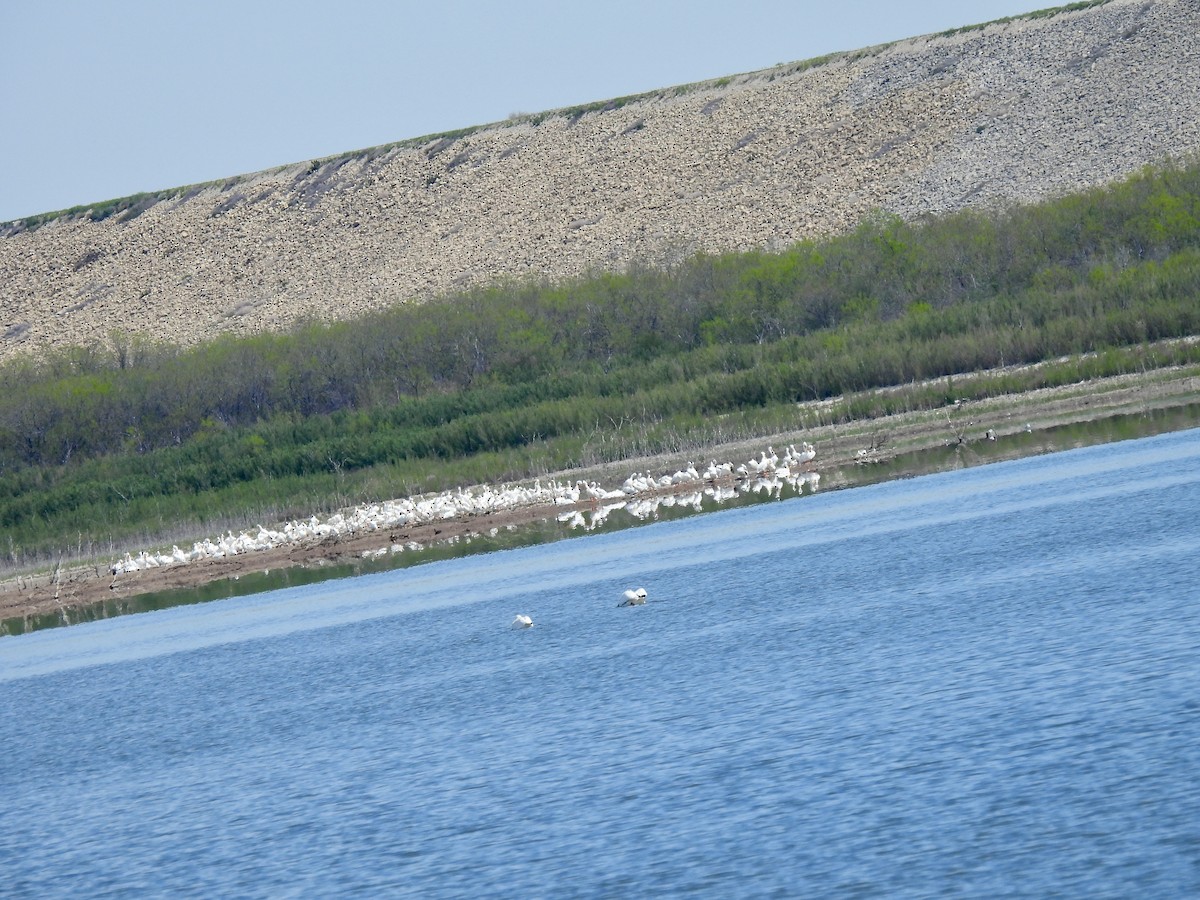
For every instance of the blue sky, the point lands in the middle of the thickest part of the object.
(106, 98)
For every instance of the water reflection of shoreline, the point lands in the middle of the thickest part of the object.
(644, 508)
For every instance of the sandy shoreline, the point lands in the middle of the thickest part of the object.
(842, 451)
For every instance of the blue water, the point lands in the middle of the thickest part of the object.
(978, 683)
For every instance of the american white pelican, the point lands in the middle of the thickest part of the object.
(634, 597)
(521, 621)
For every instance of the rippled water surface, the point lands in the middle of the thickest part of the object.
(982, 683)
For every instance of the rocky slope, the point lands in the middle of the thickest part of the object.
(1018, 110)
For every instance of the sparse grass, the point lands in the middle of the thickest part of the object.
(1047, 13)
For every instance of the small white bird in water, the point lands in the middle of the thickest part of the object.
(634, 597)
(521, 621)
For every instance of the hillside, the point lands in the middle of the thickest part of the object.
(1013, 111)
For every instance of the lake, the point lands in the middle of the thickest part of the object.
(983, 682)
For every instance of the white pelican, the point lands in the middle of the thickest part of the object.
(521, 621)
(634, 597)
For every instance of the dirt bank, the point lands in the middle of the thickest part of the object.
(843, 451)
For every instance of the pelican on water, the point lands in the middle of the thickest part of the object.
(634, 597)
(521, 621)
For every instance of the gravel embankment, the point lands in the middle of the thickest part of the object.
(1012, 112)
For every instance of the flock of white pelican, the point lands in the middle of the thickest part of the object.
(586, 505)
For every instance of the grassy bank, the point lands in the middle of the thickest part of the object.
(852, 453)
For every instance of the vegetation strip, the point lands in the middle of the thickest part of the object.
(894, 446)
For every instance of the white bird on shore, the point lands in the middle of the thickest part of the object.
(715, 471)
(637, 483)
(521, 621)
(634, 597)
